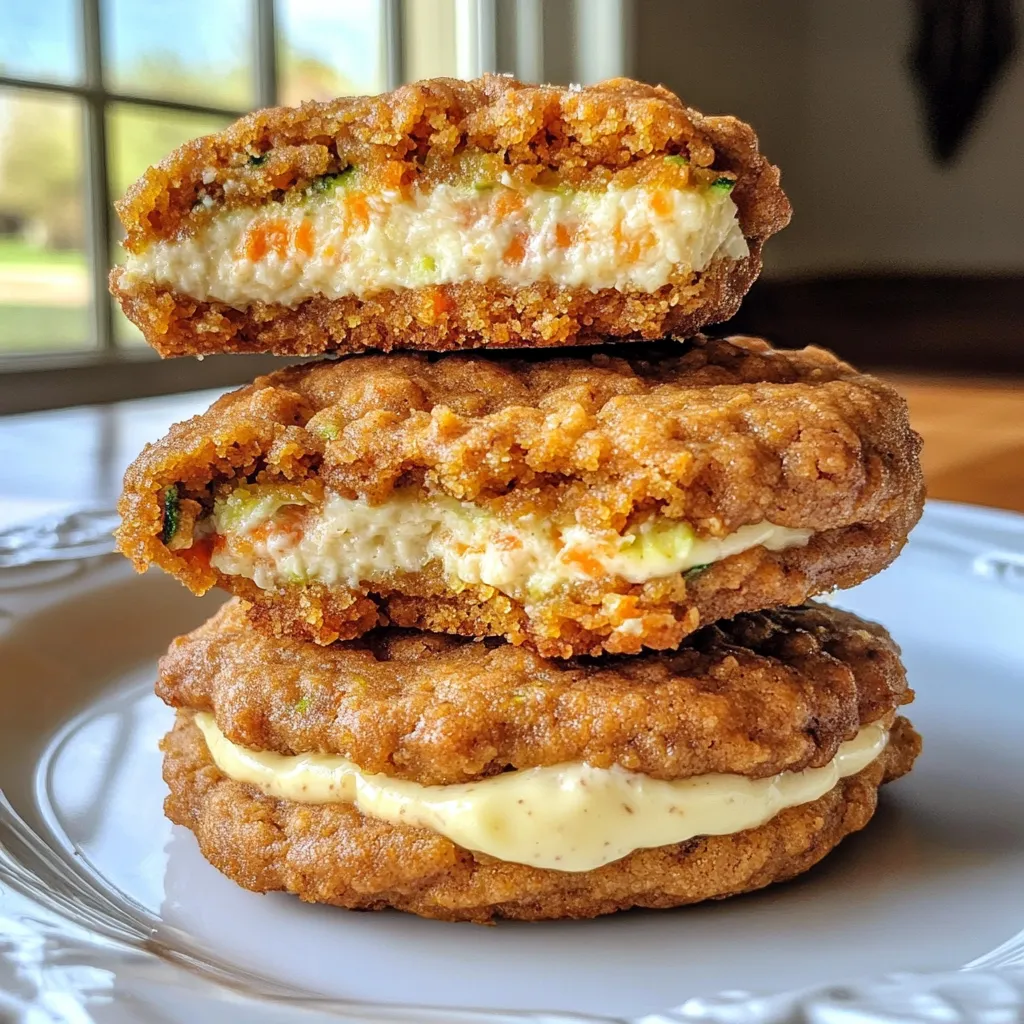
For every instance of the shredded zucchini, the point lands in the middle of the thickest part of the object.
(329, 182)
(172, 513)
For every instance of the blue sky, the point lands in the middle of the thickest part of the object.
(38, 37)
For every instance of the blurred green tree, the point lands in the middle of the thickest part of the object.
(41, 140)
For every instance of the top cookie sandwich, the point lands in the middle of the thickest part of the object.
(607, 500)
(449, 215)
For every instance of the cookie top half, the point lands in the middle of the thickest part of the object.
(756, 695)
(449, 215)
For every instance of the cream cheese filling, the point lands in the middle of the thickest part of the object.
(568, 817)
(349, 542)
(341, 244)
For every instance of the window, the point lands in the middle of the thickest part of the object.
(94, 91)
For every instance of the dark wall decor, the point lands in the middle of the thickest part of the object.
(960, 51)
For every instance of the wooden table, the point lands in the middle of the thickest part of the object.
(55, 461)
(973, 439)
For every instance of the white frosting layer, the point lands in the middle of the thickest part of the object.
(350, 542)
(568, 817)
(344, 244)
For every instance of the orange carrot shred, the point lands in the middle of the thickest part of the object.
(516, 251)
(507, 202)
(304, 238)
(442, 302)
(359, 210)
(255, 243)
(587, 562)
(661, 204)
(198, 556)
(277, 238)
(507, 542)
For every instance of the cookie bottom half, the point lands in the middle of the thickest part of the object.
(331, 853)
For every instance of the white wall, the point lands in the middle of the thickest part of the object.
(825, 83)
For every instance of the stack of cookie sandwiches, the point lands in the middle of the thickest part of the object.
(521, 621)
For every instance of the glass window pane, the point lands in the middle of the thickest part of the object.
(136, 138)
(44, 277)
(428, 37)
(326, 50)
(197, 51)
(40, 40)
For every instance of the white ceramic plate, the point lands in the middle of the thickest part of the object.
(108, 911)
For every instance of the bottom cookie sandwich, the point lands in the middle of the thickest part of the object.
(470, 781)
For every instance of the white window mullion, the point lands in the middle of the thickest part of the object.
(97, 200)
(476, 44)
(604, 39)
(529, 40)
(393, 57)
(265, 58)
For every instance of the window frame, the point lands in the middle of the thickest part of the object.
(532, 39)
(107, 370)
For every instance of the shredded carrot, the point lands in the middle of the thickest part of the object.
(277, 237)
(304, 237)
(516, 251)
(255, 243)
(661, 204)
(563, 236)
(242, 546)
(291, 525)
(639, 246)
(587, 562)
(507, 542)
(288, 521)
(507, 202)
(434, 304)
(442, 302)
(621, 607)
(359, 210)
(198, 556)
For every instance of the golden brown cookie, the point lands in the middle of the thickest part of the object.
(449, 215)
(766, 692)
(772, 696)
(330, 853)
(599, 502)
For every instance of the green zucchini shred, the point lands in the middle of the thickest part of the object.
(326, 431)
(725, 184)
(326, 182)
(694, 571)
(172, 513)
(678, 159)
